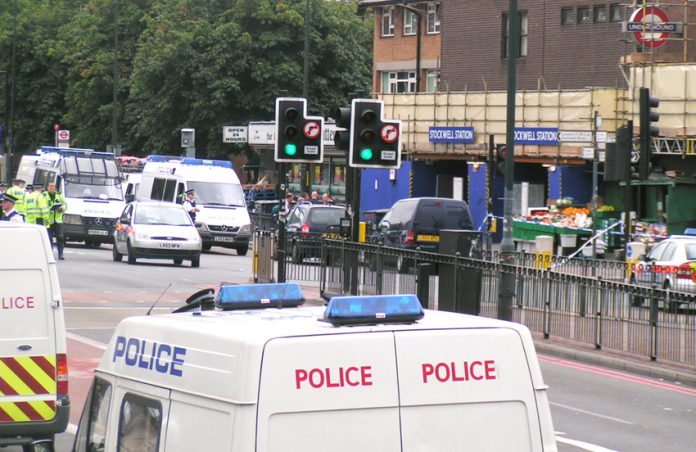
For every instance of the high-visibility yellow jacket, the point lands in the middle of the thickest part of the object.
(55, 215)
(19, 194)
(36, 207)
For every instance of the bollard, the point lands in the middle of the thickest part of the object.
(543, 247)
(634, 253)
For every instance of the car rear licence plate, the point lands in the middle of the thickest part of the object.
(428, 238)
(97, 232)
(169, 245)
(224, 239)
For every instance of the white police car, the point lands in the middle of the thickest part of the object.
(261, 372)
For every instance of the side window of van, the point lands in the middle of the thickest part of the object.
(140, 422)
(158, 188)
(92, 433)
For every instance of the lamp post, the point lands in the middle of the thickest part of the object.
(5, 87)
(8, 154)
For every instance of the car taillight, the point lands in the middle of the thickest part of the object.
(131, 230)
(305, 230)
(687, 270)
(410, 238)
(62, 374)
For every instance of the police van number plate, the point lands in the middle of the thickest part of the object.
(97, 232)
(224, 239)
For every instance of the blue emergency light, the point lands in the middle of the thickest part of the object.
(259, 296)
(206, 162)
(162, 158)
(373, 309)
(78, 152)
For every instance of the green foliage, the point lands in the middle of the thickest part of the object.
(177, 63)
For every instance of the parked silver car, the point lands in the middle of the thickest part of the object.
(156, 230)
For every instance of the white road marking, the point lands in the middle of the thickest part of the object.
(591, 413)
(72, 429)
(583, 445)
(86, 340)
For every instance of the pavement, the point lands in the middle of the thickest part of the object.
(585, 353)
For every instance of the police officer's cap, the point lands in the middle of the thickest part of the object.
(190, 191)
(2, 184)
(9, 197)
(18, 181)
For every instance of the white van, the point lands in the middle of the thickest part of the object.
(91, 183)
(34, 403)
(223, 219)
(372, 373)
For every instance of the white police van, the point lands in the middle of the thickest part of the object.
(223, 219)
(34, 402)
(261, 373)
(91, 183)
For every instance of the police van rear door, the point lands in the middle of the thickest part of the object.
(335, 392)
(28, 388)
(466, 389)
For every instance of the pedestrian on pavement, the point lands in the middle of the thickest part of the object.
(289, 202)
(304, 199)
(315, 198)
(57, 205)
(9, 211)
(326, 199)
(190, 204)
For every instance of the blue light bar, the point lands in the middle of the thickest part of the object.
(373, 309)
(259, 296)
(75, 151)
(162, 158)
(206, 162)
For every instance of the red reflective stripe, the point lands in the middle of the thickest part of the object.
(51, 404)
(27, 409)
(25, 376)
(45, 365)
(6, 389)
(4, 417)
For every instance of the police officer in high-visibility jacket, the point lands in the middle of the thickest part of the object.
(56, 207)
(9, 212)
(17, 192)
(36, 206)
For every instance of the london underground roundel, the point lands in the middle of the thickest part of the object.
(652, 17)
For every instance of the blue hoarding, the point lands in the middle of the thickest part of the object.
(538, 136)
(461, 135)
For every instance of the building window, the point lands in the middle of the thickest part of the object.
(399, 82)
(433, 18)
(388, 21)
(433, 79)
(523, 34)
(616, 12)
(410, 23)
(567, 16)
(583, 14)
(600, 14)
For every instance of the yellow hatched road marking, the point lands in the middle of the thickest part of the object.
(15, 413)
(14, 381)
(48, 382)
(43, 409)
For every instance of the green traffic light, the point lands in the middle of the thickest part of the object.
(366, 154)
(290, 149)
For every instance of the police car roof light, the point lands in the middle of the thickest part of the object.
(162, 158)
(259, 296)
(75, 151)
(373, 309)
(206, 162)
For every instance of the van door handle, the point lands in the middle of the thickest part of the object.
(24, 348)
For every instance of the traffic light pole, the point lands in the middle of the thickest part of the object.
(282, 237)
(355, 230)
(507, 278)
(628, 198)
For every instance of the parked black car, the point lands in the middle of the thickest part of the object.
(307, 224)
(416, 223)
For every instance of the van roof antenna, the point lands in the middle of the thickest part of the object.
(158, 299)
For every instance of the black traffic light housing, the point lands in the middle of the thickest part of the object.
(647, 130)
(298, 136)
(375, 142)
(500, 152)
(342, 135)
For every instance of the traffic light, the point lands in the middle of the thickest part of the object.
(500, 152)
(298, 136)
(647, 130)
(375, 142)
(342, 137)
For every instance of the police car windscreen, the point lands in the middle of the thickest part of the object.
(218, 193)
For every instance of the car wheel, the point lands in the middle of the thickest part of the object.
(178, 261)
(195, 263)
(40, 446)
(206, 247)
(131, 256)
(91, 243)
(118, 257)
(296, 255)
(242, 250)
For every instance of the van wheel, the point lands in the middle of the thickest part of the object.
(118, 257)
(195, 263)
(131, 256)
(206, 247)
(39, 446)
(178, 261)
(242, 250)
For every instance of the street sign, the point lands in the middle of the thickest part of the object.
(312, 129)
(651, 26)
(575, 136)
(63, 138)
(234, 134)
(390, 133)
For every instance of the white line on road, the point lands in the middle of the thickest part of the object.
(86, 340)
(583, 445)
(590, 413)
